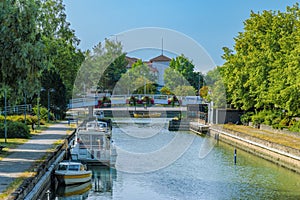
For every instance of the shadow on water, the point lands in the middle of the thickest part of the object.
(101, 183)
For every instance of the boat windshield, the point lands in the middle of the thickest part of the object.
(74, 167)
(62, 167)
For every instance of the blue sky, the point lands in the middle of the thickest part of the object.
(212, 24)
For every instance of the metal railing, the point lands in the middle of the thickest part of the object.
(17, 109)
(123, 99)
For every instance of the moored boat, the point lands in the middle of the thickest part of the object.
(93, 144)
(69, 172)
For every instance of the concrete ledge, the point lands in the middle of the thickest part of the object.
(282, 158)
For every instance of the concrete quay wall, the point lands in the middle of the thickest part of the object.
(278, 154)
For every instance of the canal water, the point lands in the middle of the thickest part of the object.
(201, 169)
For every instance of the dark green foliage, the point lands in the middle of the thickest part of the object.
(61, 43)
(35, 37)
(52, 83)
(246, 118)
(21, 55)
(15, 130)
(133, 100)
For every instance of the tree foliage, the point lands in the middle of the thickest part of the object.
(137, 80)
(21, 55)
(102, 68)
(53, 84)
(184, 90)
(262, 72)
(214, 89)
(35, 37)
(185, 68)
(61, 44)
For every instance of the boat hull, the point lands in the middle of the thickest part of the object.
(73, 178)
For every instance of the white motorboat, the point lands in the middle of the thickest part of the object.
(93, 144)
(69, 172)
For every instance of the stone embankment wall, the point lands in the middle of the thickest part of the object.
(279, 154)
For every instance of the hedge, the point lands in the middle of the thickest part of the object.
(15, 130)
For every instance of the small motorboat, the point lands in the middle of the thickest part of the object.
(69, 173)
(146, 115)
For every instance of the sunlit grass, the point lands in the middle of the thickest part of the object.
(283, 139)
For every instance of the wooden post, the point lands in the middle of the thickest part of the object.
(235, 156)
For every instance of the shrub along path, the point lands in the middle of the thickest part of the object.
(22, 158)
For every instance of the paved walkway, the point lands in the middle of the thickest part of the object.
(23, 156)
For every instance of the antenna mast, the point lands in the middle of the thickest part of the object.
(162, 46)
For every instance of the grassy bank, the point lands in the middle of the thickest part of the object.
(279, 138)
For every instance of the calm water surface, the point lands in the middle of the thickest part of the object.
(189, 177)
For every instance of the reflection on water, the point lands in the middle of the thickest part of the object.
(103, 178)
(79, 190)
(101, 183)
(192, 176)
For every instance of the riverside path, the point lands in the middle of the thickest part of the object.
(21, 158)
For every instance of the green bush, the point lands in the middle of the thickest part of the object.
(257, 118)
(20, 118)
(43, 114)
(294, 126)
(15, 130)
(246, 118)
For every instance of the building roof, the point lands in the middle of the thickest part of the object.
(160, 58)
(131, 59)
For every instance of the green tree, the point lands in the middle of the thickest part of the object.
(214, 89)
(184, 90)
(52, 82)
(262, 72)
(173, 79)
(21, 56)
(102, 68)
(61, 43)
(186, 68)
(114, 71)
(137, 80)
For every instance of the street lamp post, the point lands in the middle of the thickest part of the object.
(5, 114)
(25, 109)
(38, 106)
(49, 90)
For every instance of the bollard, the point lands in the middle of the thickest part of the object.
(48, 194)
(235, 156)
